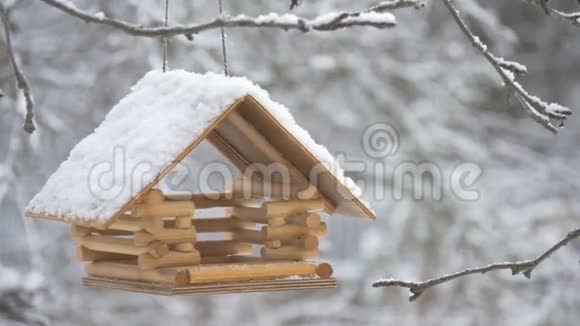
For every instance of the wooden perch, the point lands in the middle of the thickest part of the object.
(132, 272)
(291, 231)
(288, 253)
(255, 271)
(172, 259)
(222, 247)
(123, 246)
(170, 236)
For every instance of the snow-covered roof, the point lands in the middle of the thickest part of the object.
(153, 128)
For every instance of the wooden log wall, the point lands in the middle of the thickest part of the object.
(159, 233)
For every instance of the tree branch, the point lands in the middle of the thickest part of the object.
(20, 79)
(524, 267)
(537, 109)
(328, 22)
(572, 17)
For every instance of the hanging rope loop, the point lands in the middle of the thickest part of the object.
(224, 50)
(164, 39)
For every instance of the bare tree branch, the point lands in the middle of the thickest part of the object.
(20, 79)
(327, 22)
(572, 17)
(397, 4)
(537, 109)
(524, 267)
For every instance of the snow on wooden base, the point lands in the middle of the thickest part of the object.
(287, 284)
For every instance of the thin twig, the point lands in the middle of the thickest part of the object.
(523, 267)
(572, 17)
(285, 22)
(397, 4)
(20, 79)
(537, 109)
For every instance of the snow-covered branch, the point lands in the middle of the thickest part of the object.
(20, 79)
(536, 108)
(571, 17)
(327, 22)
(522, 267)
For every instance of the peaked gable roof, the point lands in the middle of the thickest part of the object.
(157, 125)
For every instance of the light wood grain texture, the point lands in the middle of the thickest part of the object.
(291, 231)
(249, 235)
(255, 271)
(305, 283)
(85, 254)
(288, 253)
(271, 152)
(221, 224)
(304, 242)
(153, 196)
(169, 236)
(164, 209)
(183, 222)
(276, 209)
(78, 232)
(222, 247)
(171, 259)
(126, 271)
(307, 219)
(123, 246)
(184, 247)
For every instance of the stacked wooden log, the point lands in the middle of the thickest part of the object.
(158, 241)
(291, 229)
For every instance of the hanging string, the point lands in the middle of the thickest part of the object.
(224, 51)
(164, 39)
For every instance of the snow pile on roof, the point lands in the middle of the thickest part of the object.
(143, 134)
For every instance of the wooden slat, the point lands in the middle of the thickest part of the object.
(222, 247)
(251, 236)
(172, 259)
(276, 209)
(304, 242)
(169, 236)
(272, 153)
(221, 224)
(85, 254)
(164, 209)
(306, 219)
(257, 271)
(211, 200)
(288, 253)
(78, 232)
(133, 272)
(123, 246)
(291, 231)
(209, 289)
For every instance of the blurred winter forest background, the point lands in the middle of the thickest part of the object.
(422, 77)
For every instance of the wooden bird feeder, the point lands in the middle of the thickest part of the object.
(152, 243)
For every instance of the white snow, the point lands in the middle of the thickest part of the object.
(100, 15)
(373, 17)
(143, 134)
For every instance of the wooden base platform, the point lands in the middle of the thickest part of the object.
(287, 284)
